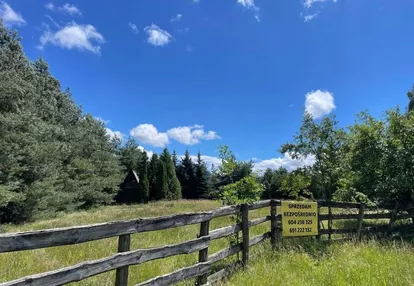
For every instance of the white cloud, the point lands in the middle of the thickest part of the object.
(68, 8)
(308, 18)
(50, 6)
(149, 153)
(247, 3)
(113, 134)
(176, 18)
(74, 36)
(208, 160)
(102, 120)
(286, 162)
(309, 3)
(53, 21)
(157, 36)
(191, 135)
(148, 134)
(133, 27)
(319, 103)
(9, 16)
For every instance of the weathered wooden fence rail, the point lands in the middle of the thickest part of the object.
(126, 257)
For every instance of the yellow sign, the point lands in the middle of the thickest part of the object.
(299, 218)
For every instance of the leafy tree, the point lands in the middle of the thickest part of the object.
(272, 183)
(410, 95)
(323, 141)
(174, 187)
(201, 176)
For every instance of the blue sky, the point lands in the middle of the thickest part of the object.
(196, 74)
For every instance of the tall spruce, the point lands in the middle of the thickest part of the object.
(187, 176)
(174, 187)
(152, 176)
(143, 177)
(161, 183)
(202, 186)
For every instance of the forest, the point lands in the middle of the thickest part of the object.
(56, 158)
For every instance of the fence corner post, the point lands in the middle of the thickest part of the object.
(273, 225)
(360, 220)
(124, 242)
(246, 236)
(203, 254)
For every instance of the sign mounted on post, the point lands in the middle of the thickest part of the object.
(299, 218)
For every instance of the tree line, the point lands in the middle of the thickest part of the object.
(55, 158)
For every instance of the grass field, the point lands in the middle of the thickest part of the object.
(299, 261)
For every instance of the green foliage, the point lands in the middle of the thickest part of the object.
(152, 176)
(244, 190)
(201, 175)
(161, 183)
(143, 177)
(272, 183)
(53, 157)
(187, 177)
(296, 184)
(174, 187)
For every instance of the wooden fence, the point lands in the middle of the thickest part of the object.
(126, 257)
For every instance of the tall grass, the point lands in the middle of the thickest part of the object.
(298, 261)
(319, 263)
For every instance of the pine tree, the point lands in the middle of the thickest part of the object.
(187, 177)
(174, 187)
(152, 176)
(143, 177)
(202, 186)
(161, 184)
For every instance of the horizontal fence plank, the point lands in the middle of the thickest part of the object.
(179, 275)
(224, 231)
(233, 249)
(73, 235)
(259, 205)
(337, 231)
(257, 221)
(90, 268)
(259, 238)
(355, 216)
(338, 204)
(229, 210)
(404, 216)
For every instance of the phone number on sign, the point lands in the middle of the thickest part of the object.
(300, 229)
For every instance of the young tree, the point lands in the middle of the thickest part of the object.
(130, 155)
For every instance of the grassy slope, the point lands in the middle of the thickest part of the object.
(311, 264)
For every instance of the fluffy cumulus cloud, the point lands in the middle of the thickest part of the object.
(68, 8)
(74, 36)
(286, 162)
(113, 134)
(133, 28)
(148, 134)
(9, 16)
(157, 36)
(191, 135)
(319, 103)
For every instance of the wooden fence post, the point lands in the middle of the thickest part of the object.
(203, 254)
(392, 219)
(360, 220)
(318, 237)
(246, 236)
(124, 242)
(273, 225)
(329, 221)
